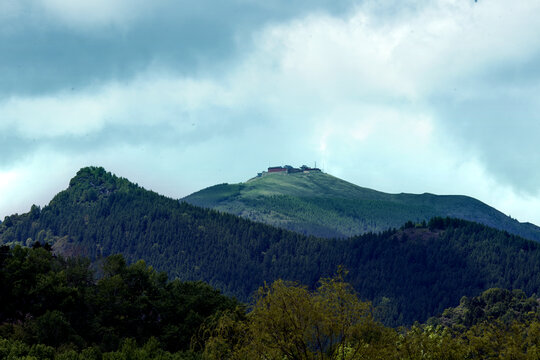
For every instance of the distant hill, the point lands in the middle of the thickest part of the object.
(412, 272)
(320, 204)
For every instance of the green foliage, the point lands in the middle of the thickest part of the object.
(501, 304)
(12, 349)
(290, 322)
(129, 350)
(55, 309)
(55, 303)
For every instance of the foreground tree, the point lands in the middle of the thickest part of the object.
(290, 322)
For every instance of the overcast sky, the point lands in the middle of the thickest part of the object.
(411, 96)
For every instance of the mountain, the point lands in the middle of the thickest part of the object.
(412, 272)
(320, 204)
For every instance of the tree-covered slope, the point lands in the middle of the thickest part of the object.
(289, 321)
(57, 302)
(323, 205)
(54, 308)
(492, 305)
(413, 272)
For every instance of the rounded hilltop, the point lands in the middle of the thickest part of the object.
(312, 202)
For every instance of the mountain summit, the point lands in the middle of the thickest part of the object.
(316, 203)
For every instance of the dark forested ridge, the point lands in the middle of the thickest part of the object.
(322, 205)
(412, 272)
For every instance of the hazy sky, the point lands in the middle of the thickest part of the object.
(434, 96)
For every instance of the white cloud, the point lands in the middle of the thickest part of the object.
(95, 12)
(355, 93)
(147, 100)
(77, 14)
(52, 116)
(33, 181)
(413, 55)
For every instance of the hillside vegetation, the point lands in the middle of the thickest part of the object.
(322, 205)
(52, 302)
(413, 272)
(331, 323)
(55, 308)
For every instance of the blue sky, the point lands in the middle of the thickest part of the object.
(399, 96)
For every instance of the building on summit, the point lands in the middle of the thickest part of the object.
(276, 169)
(288, 169)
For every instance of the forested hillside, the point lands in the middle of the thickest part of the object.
(49, 302)
(322, 205)
(289, 321)
(412, 272)
(55, 308)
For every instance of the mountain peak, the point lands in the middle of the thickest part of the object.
(93, 175)
(93, 182)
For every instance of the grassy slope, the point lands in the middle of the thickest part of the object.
(323, 205)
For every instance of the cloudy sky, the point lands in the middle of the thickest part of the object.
(434, 96)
